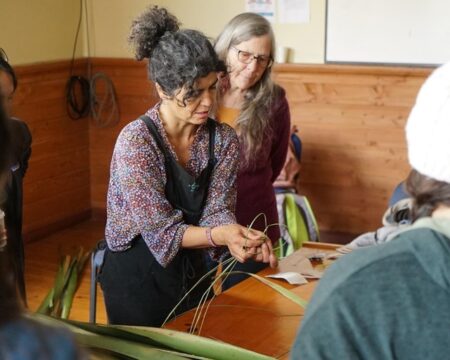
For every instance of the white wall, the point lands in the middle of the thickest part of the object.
(110, 21)
(397, 32)
(44, 30)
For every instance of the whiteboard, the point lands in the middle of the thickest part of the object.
(415, 32)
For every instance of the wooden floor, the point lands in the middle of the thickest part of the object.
(41, 263)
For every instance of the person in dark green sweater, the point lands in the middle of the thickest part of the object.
(392, 301)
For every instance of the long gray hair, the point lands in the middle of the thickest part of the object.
(253, 120)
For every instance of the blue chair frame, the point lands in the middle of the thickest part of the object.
(97, 258)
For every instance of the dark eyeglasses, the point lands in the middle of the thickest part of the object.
(3, 55)
(247, 57)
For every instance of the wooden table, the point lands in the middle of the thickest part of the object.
(254, 316)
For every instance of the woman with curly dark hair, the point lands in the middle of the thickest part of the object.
(257, 108)
(171, 195)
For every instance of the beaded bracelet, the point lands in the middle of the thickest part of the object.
(209, 237)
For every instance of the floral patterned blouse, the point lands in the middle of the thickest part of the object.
(136, 195)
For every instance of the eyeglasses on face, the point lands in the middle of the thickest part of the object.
(3, 55)
(247, 57)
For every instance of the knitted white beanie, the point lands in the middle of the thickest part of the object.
(428, 127)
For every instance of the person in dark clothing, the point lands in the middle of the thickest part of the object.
(19, 156)
(171, 195)
(392, 301)
(5, 150)
(20, 337)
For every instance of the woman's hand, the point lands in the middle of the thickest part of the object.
(266, 254)
(3, 238)
(245, 244)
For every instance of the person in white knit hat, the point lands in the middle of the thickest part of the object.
(393, 300)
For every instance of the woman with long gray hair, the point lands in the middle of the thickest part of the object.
(257, 108)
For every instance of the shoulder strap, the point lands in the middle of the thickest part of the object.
(212, 139)
(156, 135)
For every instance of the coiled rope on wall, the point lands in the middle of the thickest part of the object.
(94, 95)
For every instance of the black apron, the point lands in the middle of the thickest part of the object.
(137, 289)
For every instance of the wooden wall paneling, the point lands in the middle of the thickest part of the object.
(135, 95)
(56, 186)
(351, 120)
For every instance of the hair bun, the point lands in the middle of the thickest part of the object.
(148, 28)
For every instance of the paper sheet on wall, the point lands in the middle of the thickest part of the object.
(293, 11)
(264, 8)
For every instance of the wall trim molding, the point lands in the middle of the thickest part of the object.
(46, 230)
(350, 117)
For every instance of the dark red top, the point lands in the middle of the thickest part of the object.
(255, 193)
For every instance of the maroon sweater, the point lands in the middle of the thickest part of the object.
(255, 193)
